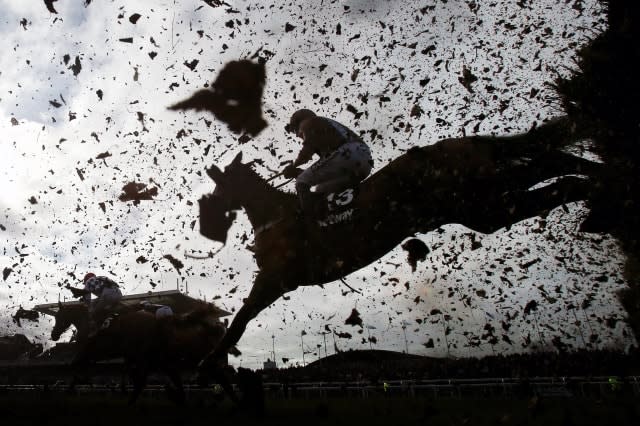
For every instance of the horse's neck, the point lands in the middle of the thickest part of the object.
(265, 204)
(80, 318)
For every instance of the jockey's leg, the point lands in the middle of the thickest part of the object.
(110, 298)
(92, 307)
(346, 166)
(105, 305)
(100, 309)
(303, 190)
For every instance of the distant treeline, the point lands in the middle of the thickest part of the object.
(541, 364)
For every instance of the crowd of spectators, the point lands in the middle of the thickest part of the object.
(351, 367)
(379, 366)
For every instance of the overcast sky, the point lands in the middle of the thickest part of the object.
(71, 89)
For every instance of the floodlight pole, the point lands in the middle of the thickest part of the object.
(584, 341)
(445, 325)
(586, 318)
(324, 337)
(406, 344)
(273, 347)
(540, 338)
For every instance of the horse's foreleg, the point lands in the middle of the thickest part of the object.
(262, 295)
(79, 366)
(264, 292)
(139, 378)
(217, 358)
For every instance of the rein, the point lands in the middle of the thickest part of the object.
(283, 184)
(277, 175)
(274, 176)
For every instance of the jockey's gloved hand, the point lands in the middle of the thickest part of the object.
(291, 172)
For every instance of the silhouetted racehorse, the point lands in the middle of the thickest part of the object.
(480, 182)
(145, 343)
(75, 314)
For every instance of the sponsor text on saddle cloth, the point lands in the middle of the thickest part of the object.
(339, 207)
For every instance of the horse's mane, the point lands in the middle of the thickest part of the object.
(73, 307)
(264, 184)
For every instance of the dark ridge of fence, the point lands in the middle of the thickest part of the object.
(552, 387)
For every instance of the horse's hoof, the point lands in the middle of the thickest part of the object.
(203, 378)
(175, 395)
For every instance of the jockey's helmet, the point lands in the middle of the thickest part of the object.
(298, 117)
(88, 277)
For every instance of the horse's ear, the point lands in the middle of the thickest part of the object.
(238, 160)
(215, 173)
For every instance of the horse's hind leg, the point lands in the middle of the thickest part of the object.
(547, 166)
(558, 163)
(139, 378)
(510, 208)
(526, 204)
(175, 391)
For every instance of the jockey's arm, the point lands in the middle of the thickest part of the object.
(79, 292)
(306, 153)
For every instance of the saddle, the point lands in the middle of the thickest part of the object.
(108, 320)
(103, 323)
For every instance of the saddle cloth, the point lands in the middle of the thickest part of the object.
(336, 207)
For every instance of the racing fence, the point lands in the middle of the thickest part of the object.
(554, 387)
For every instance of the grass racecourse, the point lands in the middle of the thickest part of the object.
(57, 408)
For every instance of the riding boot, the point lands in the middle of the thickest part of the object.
(305, 198)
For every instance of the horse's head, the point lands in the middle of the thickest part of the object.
(217, 209)
(232, 183)
(63, 322)
(65, 318)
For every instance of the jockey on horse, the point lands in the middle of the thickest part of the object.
(160, 311)
(345, 159)
(107, 293)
